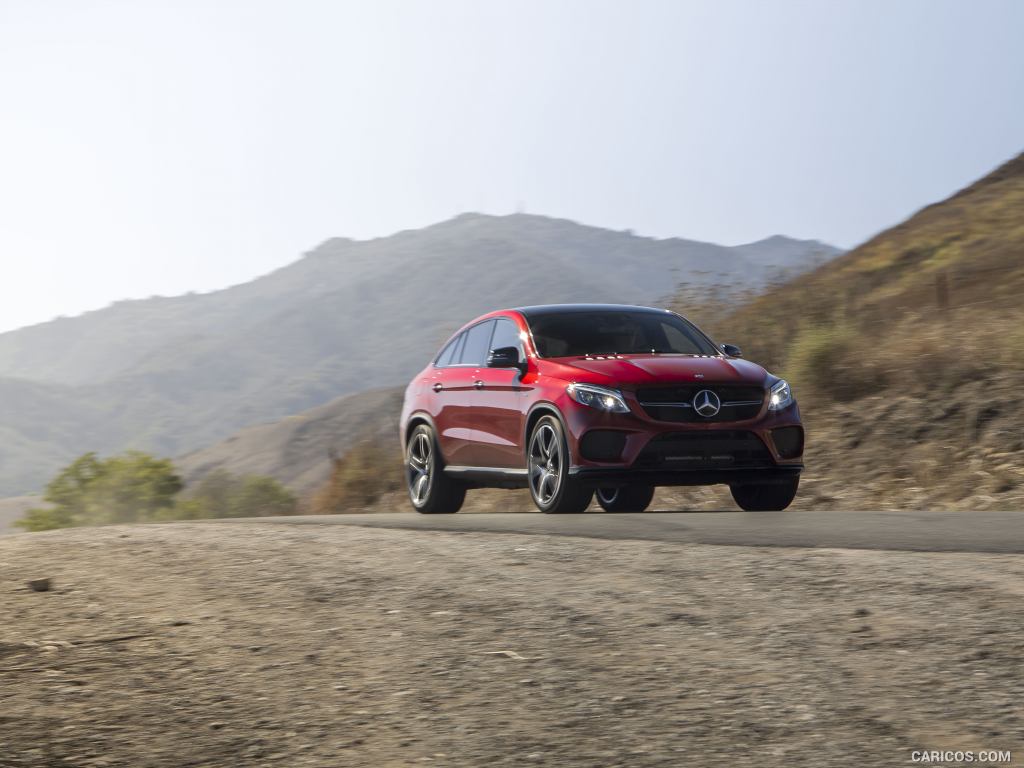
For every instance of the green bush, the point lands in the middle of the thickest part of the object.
(221, 494)
(823, 361)
(135, 487)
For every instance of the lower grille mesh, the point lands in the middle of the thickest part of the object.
(705, 450)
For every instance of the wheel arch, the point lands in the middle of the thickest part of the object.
(414, 421)
(535, 414)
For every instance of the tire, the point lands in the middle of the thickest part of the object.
(765, 498)
(553, 490)
(430, 490)
(633, 498)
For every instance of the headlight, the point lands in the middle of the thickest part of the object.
(602, 398)
(781, 396)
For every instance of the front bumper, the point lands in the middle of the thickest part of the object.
(613, 477)
(666, 453)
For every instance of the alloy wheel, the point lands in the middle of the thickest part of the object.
(545, 464)
(419, 468)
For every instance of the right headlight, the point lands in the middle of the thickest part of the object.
(601, 398)
(781, 396)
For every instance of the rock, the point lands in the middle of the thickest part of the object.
(39, 585)
(506, 654)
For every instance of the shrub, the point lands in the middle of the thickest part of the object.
(221, 494)
(128, 488)
(136, 487)
(360, 478)
(823, 361)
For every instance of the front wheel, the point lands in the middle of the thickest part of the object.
(552, 488)
(765, 498)
(430, 490)
(635, 498)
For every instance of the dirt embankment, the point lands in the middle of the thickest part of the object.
(261, 645)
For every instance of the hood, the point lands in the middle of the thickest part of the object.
(639, 370)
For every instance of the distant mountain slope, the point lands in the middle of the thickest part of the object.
(297, 450)
(448, 271)
(173, 374)
(13, 509)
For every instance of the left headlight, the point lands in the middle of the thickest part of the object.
(781, 396)
(601, 398)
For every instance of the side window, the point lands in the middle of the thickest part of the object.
(445, 358)
(478, 339)
(506, 334)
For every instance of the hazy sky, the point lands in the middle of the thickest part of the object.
(159, 147)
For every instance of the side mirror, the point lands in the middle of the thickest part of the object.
(732, 350)
(505, 357)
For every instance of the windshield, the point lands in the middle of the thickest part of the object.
(606, 332)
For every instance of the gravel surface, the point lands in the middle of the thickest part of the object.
(253, 645)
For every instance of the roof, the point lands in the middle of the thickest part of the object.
(544, 309)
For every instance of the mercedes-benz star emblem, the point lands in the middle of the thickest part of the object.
(706, 403)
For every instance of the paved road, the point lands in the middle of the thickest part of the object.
(921, 531)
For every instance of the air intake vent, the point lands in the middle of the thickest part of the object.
(602, 445)
(789, 441)
(705, 450)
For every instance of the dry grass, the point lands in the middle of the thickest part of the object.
(360, 478)
(964, 252)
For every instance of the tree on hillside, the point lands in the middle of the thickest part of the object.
(129, 488)
(136, 487)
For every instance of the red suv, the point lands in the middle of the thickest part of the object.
(571, 399)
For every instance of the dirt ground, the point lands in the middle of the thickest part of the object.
(262, 645)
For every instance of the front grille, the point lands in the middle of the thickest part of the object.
(676, 403)
(718, 449)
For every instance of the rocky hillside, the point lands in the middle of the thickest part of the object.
(907, 354)
(959, 261)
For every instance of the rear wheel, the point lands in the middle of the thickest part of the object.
(552, 488)
(430, 490)
(634, 498)
(765, 498)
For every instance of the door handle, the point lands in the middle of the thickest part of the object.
(438, 387)
(478, 384)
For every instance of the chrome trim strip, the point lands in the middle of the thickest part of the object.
(459, 470)
(730, 404)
